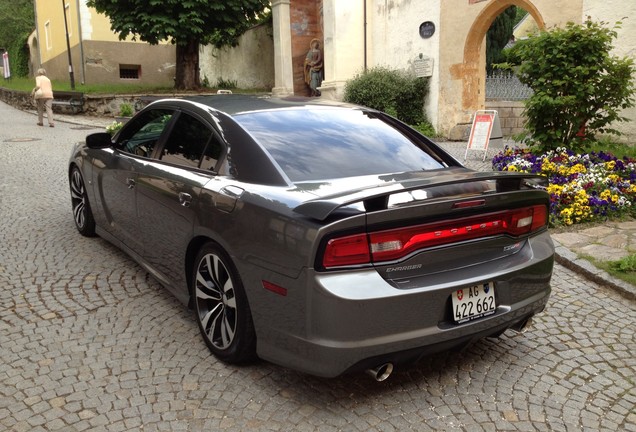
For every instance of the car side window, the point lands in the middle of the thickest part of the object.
(187, 142)
(212, 153)
(141, 136)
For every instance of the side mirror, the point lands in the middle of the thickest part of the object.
(99, 140)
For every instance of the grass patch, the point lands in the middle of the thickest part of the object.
(617, 149)
(27, 84)
(623, 269)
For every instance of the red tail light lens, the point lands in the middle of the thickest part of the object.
(397, 243)
(344, 251)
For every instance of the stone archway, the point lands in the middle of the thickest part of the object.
(472, 70)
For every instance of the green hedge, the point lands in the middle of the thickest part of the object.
(397, 93)
(19, 57)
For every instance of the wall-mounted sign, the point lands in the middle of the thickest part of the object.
(423, 66)
(427, 29)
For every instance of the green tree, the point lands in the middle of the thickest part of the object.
(16, 23)
(519, 16)
(579, 87)
(187, 23)
(499, 35)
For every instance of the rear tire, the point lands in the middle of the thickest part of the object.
(82, 214)
(221, 307)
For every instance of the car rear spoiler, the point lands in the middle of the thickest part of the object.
(376, 198)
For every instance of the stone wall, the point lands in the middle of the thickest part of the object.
(250, 64)
(510, 114)
(102, 105)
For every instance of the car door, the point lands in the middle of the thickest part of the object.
(118, 179)
(168, 189)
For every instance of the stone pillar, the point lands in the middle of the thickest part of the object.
(344, 45)
(283, 68)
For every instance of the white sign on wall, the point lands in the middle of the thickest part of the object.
(423, 66)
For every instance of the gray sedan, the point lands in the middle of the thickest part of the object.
(317, 235)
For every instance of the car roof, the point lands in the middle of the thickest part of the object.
(239, 103)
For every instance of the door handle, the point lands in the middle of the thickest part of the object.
(130, 182)
(185, 199)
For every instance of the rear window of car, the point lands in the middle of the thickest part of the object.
(328, 143)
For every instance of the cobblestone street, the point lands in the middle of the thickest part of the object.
(90, 342)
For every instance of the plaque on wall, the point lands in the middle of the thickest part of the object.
(423, 66)
(427, 29)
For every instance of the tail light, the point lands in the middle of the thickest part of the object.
(397, 243)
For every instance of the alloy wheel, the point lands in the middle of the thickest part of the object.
(216, 301)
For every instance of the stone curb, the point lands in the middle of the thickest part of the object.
(569, 259)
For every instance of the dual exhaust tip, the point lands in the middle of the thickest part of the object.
(384, 370)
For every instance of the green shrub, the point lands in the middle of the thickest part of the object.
(226, 84)
(394, 92)
(125, 110)
(19, 57)
(425, 128)
(579, 88)
(114, 127)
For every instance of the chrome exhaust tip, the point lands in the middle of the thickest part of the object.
(522, 326)
(381, 372)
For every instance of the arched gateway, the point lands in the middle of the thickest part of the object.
(357, 34)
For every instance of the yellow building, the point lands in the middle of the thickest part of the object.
(97, 54)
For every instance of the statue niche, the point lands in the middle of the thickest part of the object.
(313, 67)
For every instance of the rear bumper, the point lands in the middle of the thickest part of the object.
(328, 358)
(356, 320)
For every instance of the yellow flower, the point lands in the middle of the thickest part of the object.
(578, 168)
(610, 165)
(566, 216)
(606, 194)
(555, 189)
(547, 166)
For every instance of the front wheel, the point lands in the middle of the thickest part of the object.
(82, 214)
(221, 307)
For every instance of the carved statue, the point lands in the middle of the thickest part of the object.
(313, 67)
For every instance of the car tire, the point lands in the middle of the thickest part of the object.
(82, 213)
(221, 308)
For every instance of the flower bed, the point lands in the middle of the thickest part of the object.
(582, 188)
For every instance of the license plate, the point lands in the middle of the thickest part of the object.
(474, 302)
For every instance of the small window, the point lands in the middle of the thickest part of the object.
(47, 35)
(129, 71)
(187, 142)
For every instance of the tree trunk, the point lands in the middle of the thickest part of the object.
(187, 77)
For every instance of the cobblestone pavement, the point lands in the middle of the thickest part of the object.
(88, 341)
